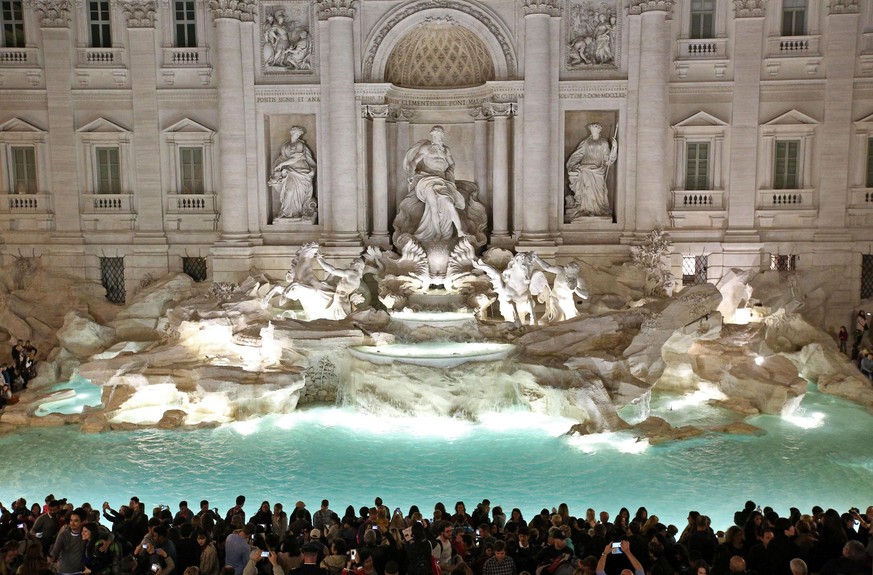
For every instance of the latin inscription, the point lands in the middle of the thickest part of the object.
(284, 99)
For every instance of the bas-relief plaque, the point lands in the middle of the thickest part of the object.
(591, 35)
(286, 37)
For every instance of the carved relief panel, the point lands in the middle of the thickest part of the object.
(591, 35)
(286, 37)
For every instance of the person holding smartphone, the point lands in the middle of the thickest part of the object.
(613, 553)
(257, 555)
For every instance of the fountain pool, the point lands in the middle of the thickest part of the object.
(820, 455)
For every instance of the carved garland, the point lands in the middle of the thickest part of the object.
(140, 13)
(451, 5)
(243, 10)
(749, 8)
(844, 7)
(640, 6)
(52, 13)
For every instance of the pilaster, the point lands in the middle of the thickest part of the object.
(140, 16)
(54, 19)
(233, 254)
(745, 119)
(340, 227)
(536, 114)
(836, 130)
(652, 112)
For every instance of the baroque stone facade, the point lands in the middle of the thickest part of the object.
(745, 131)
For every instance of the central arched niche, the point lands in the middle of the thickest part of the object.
(405, 22)
(439, 53)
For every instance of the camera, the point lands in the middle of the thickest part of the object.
(145, 545)
(616, 547)
(21, 525)
(265, 553)
(156, 567)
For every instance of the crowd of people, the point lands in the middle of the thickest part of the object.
(61, 538)
(15, 376)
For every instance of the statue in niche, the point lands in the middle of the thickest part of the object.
(293, 177)
(592, 31)
(439, 213)
(286, 45)
(587, 169)
(431, 170)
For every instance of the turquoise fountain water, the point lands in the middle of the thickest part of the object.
(820, 456)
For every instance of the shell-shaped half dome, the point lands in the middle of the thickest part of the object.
(439, 54)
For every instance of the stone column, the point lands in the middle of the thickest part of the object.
(401, 121)
(54, 20)
(379, 206)
(748, 53)
(480, 153)
(500, 114)
(228, 15)
(140, 16)
(536, 121)
(652, 112)
(836, 131)
(341, 221)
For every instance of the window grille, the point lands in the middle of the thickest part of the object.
(779, 263)
(99, 23)
(195, 267)
(693, 270)
(184, 22)
(112, 278)
(702, 17)
(12, 21)
(867, 276)
(793, 17)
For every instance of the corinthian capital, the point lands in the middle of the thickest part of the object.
(844, 7)
(750, 8)
(139, 13)
(499, 109)
(640, 6)
(243, 10)
(377, 111)
(550, 7)
(52, 13)
(330, 8)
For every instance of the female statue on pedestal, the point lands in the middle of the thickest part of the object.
(587, 169)
(293, 174)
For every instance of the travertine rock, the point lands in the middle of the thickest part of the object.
(83, 336)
